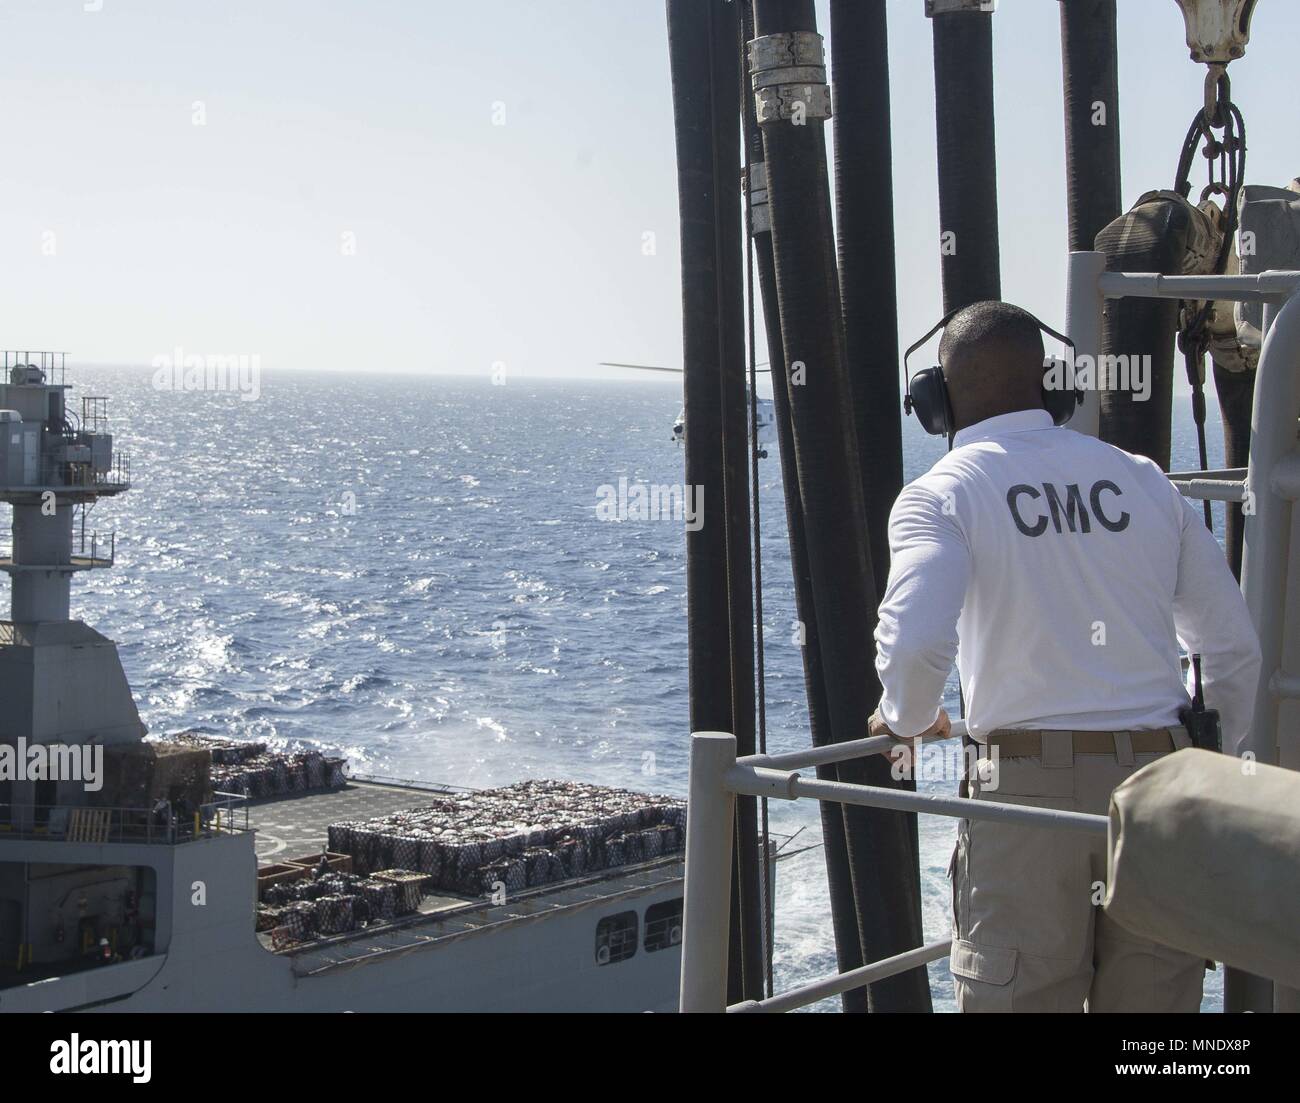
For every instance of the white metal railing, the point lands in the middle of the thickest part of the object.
(1269, 486)
(95, 549)
(840, 983)
(1212, 486)
(717, 776)
(89, 549)
(52, 365)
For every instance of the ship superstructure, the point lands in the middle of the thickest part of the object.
(65, 697)
(54, 466)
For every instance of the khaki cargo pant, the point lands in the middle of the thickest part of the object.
(1029, 932)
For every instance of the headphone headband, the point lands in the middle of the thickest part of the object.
(933, 330)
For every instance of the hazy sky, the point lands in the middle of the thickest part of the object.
(126, 229)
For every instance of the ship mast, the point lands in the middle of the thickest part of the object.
(53, 468)
(61, 681)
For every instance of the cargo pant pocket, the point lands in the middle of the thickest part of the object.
(982, 975)
(952, 881)
(959, 875)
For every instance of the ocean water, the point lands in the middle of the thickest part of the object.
(411, 570)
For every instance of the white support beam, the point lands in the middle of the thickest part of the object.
(1265, 287)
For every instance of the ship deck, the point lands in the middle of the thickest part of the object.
(296, 825)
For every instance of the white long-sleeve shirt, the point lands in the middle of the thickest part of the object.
(1062, 574)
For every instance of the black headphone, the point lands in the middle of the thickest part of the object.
(927, 391)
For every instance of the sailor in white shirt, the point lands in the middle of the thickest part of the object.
(1062, 575)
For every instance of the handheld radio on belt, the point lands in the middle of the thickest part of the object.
(1202, 724)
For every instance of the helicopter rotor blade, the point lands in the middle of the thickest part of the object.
(640, 367)
(656, 367)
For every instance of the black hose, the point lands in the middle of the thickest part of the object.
(968, 193)
(830, 484)
(1091, 79)
(708, 566)
(1152, 237)
(756, 453)
(864, 208)
(869, 302)
(726, 48)
(706, 559)
(848, 949)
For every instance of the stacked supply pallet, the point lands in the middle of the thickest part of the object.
(520, 836)
(250, 769)
(335, 903)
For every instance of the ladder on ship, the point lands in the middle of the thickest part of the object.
(1268, 488)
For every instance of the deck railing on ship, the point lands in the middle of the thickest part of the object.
(227, 813)
(53, 364)
(89, 550)
(717, 776)
(77, 479)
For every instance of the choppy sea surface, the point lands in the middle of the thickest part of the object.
(412, 570)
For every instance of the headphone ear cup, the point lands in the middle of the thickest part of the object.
(930, 401)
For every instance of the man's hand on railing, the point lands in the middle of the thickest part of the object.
(903, 753)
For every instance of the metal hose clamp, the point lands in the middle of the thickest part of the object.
(948, 7)
(788, 74)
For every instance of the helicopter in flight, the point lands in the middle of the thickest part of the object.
(764, 411)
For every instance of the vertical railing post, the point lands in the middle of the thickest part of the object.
(1267, 559)
(706, 919)
(1267, 555)
(1084, 306)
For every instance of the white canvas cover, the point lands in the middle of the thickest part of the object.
(1205, 857)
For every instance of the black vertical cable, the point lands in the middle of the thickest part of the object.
(864, 209)
(1236, 392)
(848, 949)
(726, 75)
(755, 450)
(869, 303)
(1090, 59)
(709, 646)
(968, 195)
(830, 483)
(706, 110)
(1194, 359)
(769, 905)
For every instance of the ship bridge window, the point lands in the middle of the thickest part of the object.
(616, 938)
(663, 925)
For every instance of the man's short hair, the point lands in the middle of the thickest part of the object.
(992, 335)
